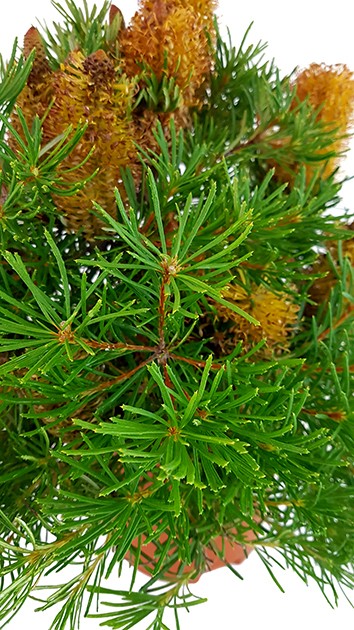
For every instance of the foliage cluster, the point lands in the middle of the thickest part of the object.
(176, 315)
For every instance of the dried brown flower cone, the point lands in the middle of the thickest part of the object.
(40, 68)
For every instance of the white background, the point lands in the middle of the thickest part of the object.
(298, 33)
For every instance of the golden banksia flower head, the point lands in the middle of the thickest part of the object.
(83, 91)
(171, 39)
(330, 90)
(168, 41)
(86, 90)
(276, 313)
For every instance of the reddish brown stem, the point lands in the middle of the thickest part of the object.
(106, 345)
(340, 321)
(148, 222)
(337, 416)
(162, 303)
(118, 379)
(200, 364)
(168, 381)
(339, 368)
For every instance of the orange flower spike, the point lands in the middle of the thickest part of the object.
(171, 39)
(330, 88)
(69, 88)
(205, 9)
(109, 105)
(330, 91)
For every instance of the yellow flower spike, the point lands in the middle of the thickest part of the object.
(86, 90)
(330, 88)
(276, 313)
(171, 39)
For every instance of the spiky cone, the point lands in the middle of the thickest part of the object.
(36, 96)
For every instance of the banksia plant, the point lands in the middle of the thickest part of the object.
(176, 319)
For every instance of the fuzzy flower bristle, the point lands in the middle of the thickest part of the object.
(170, 38)
(86, 91)
(276, 314)
(330, 90)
